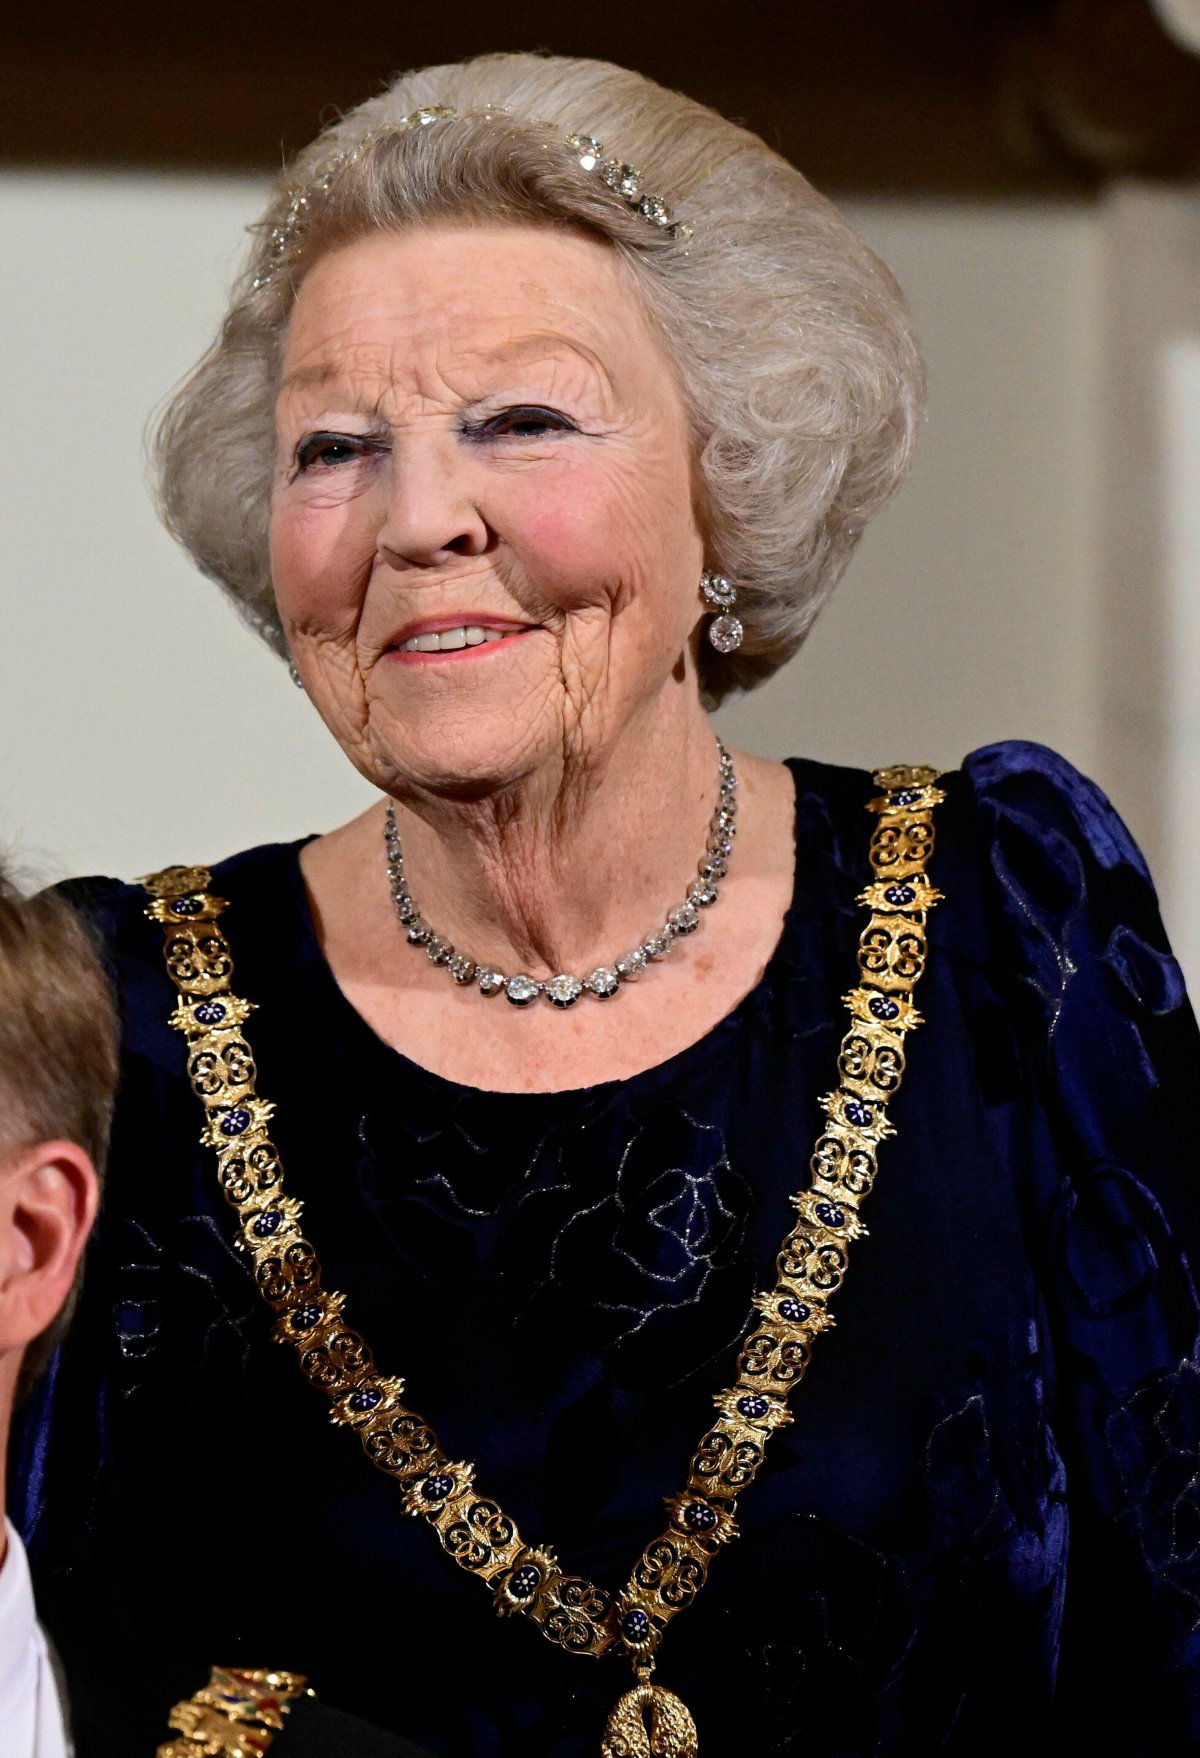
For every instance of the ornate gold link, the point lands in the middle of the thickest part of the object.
(576, 1614)
(235, 1715)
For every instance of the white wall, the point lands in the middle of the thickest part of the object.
(1149, 611)
(140, 723)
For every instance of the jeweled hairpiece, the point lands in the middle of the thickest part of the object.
(623, 180)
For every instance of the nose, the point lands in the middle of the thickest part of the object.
(432, 512)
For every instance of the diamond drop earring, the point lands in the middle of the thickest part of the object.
(725, 631)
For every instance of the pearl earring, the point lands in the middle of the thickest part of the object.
(725, 631)
(294, 674)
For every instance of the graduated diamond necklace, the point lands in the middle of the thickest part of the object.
(564, 990)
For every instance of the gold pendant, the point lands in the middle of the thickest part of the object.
(649, 1722)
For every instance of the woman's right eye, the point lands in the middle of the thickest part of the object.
(329, 450)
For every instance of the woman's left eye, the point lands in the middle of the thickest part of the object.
(526, 422)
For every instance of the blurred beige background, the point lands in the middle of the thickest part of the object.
(1038, 578)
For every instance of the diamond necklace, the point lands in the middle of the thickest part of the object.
(565, 990)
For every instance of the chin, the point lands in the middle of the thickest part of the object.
(465, 761)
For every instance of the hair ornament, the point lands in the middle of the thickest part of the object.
(623, 180)
(626, 182)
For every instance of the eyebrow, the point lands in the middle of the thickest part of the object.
(307, 375)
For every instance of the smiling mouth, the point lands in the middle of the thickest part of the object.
(459, 639)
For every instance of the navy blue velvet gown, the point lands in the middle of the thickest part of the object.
(982, 1527)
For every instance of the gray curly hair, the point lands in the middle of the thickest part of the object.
(791, 341)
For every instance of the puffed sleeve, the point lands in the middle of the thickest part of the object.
(1113, 1207)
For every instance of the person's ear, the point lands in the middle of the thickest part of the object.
(48, 1199)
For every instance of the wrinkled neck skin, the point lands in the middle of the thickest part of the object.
(568, 865)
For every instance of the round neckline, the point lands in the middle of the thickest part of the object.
(312, 955)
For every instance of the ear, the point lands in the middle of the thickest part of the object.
(48, 1198)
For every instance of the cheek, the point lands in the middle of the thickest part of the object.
(320, 557)
(595, 533)
(566, 535)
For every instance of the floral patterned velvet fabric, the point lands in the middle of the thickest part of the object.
(982, 1527)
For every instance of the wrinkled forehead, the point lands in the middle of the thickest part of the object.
(398, 309)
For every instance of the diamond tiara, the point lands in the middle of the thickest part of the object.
(623, 180)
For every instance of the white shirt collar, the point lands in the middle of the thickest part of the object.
(31, 1719)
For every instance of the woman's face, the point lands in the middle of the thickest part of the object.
(483, 541)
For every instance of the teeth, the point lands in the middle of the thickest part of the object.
(449, 640)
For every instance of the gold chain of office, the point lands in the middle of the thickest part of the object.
(480, 1536)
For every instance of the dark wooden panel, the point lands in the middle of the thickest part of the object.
(952, 96)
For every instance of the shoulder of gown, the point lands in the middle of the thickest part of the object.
(131, 944)
(1074, 932)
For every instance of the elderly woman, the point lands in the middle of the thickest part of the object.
(525, 458)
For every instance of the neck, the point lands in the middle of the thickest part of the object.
(8, 1387)
(571, 866)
